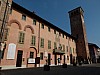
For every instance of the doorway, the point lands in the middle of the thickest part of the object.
(71, 59)
(55, 59)
(64, 59)
(49, 59)
(19, 58)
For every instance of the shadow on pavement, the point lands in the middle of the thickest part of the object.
(55, 70)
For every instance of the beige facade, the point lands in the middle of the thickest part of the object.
(45, 34)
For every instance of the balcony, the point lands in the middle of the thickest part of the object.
(58, 51)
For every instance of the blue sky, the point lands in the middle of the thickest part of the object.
(56, 12)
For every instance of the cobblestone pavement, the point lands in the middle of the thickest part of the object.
(92, 69)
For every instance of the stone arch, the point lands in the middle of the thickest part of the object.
(15, 21)
(28, 26)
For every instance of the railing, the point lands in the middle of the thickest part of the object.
(58, 51)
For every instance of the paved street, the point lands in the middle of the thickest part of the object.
(58, 70)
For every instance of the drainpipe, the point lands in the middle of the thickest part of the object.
(38, 39)
(37, 51)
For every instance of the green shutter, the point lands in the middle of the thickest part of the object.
(64, 47)
(49, 44)
(33, 40)
(42, 43)
(55, 45)
(21, 37)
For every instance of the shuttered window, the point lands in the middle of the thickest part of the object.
(33, 41)
(21, 37)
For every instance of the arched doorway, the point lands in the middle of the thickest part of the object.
(32, 54)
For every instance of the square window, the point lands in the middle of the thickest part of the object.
(24, 17)
(49, 29)
(42, 26)
(54, 31)
(34, 22)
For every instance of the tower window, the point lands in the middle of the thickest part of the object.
(77, 36)
(77, 11)
(72, 13)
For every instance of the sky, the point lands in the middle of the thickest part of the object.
(56, 12)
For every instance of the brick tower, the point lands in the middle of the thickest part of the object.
(5, 6)
(78, 30)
